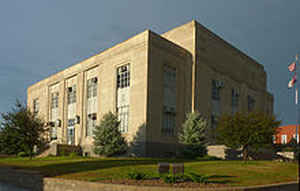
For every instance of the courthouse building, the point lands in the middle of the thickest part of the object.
(151, 81)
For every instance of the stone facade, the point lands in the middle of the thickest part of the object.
(151, 81)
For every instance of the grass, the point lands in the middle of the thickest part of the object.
(231, 173)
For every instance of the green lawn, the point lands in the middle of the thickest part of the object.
(232, 173)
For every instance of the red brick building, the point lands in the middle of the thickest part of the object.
(285, 134)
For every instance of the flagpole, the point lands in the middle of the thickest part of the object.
(297, 108)
(296, 101)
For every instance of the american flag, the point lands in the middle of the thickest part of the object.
(292, 67)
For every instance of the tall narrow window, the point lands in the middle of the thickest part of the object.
(123, 91)
(283, 139)
(216, 96)
(215, 91)
(92, 85)
(54, 113)
(71, 98)
(35, 106)
(169, 101)
(214, 124)
(123, 76)
(72, 94)
(214, 121)
(251, 103)
(216, 86)
(234, 100)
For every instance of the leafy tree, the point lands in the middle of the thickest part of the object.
(108, 140)
(193, 135)
(21, 131)
(295, 148)
(247, 131)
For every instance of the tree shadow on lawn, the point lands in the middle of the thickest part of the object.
(51, 170)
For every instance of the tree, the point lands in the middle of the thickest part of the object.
(247, 131)
(295, 148)
(193, 135)
(108, 140)
(21, 131)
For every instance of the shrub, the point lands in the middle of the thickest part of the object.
(108, 140)
(196, 178)
(135, 175)
(170, 178)
(22, 154)
(295, 148)
(73, 154)
(193, 135)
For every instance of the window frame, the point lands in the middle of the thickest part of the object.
(169, 109)
(35, 106)
(283, 139)
(71, 95)
(123, 76)
(235, 100)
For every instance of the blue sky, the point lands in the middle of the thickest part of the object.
(41, 37)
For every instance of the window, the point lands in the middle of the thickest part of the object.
(92, 105)
(91, 124)
(92, 87)
(169, 123)
(123, 115)
(169, 103)
(213, 125)
(71, 94)
(234, 100)
(215, 91)
(283, 139)
(54, 114)
(216, 97)
(71, 136)
(123, 76)
(36, 106)
(53, 133)
(251, 103)
(123, 91)
(54, 100)
(214, 121)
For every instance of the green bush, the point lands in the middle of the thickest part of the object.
(73, 154)
(295, 148)
(135, 175)
(22, 154)
(196, 178)
(193, 177)
(62, 153)
(170, 178)
(193, 135)
(108, 140)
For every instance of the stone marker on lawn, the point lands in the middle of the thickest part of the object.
(163, 168)
(178, 169)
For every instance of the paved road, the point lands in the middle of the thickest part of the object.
(7, 187)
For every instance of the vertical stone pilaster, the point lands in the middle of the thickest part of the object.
(80, 106)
